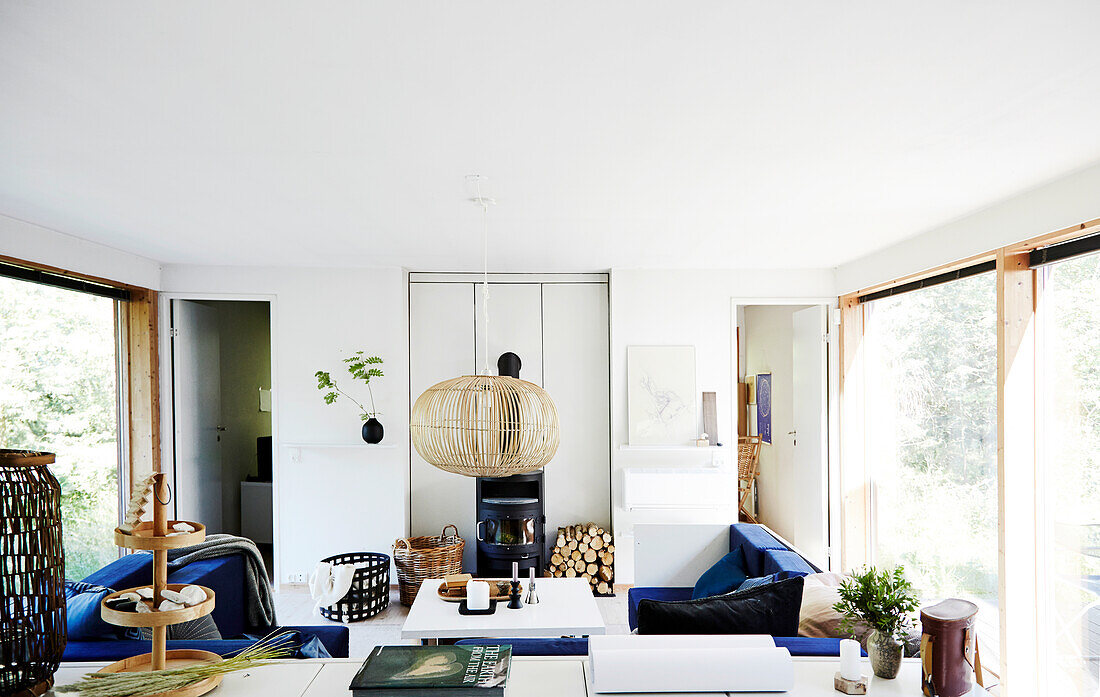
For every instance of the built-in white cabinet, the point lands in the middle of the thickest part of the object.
(559, 329)
(441, 346)
(515, 324)
(576, 374)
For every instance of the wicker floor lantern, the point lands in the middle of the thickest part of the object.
(32, 573)
(485, 425)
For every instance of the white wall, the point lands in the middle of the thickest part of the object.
(30, 242)
(334, 500)
(341, 500)
(1064, 202)
(656, 307)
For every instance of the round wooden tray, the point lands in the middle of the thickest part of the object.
(142, 537)
(156, 618)
(493, 593)
(176, 658)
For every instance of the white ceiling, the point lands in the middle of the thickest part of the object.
(620, 133)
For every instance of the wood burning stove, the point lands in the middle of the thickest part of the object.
(511, 524)
(511, 521)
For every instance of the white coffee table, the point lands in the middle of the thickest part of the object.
(565, 608)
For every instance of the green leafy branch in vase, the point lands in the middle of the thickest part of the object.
(884, 600)
(360, 367)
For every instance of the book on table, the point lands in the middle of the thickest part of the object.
(420, 671)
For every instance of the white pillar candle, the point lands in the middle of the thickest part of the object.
(849, 659)
(477, 595)
(515, 571)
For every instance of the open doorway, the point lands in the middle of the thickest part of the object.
(221, 410)
(783, 361)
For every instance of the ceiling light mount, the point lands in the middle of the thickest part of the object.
(475, 181)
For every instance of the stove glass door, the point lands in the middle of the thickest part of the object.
(511, 531)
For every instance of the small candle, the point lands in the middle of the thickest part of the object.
(477, 595)
(515, 571)
(849, 659)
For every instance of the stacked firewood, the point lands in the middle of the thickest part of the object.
(586, 551)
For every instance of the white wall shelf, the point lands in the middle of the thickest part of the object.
(297, 448)
(368, 446)
(673, 448)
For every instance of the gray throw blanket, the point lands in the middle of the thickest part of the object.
(259, 604)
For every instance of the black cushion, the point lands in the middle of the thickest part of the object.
(769, 609)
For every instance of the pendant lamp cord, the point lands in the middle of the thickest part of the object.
(485, 266)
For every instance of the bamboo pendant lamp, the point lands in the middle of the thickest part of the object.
(485, 425)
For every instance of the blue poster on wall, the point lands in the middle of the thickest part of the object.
(764, 406)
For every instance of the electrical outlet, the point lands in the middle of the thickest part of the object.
(297, 578)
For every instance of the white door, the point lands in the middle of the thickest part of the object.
(441, 347)
(576, 373)
(809, 378)
(515, 325)
(196, 401)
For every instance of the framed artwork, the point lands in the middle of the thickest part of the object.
(661, 400)
(764, 407)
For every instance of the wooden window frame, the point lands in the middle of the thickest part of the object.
(139, 375)
(1018, 477)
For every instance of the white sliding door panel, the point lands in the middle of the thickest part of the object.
(515, 324)
(810, 476)
(576, 373)
(441, 346)
(196, 400)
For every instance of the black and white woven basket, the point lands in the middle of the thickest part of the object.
(370, 588)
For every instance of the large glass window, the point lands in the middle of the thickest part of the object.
(59, 392)
(931, 441)
(1069, 463)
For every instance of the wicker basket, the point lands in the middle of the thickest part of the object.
(370, 587)
(419, 558)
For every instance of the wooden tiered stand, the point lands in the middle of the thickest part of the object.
(154, 536)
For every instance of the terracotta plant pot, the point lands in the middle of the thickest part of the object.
(885, 653)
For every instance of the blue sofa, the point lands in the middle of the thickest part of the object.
(763, 555)
(226, 577)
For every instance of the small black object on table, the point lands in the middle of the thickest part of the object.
(514, 602)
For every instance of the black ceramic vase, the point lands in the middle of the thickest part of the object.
(373, 431)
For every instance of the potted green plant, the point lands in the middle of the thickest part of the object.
(884, 601)
(361, 368)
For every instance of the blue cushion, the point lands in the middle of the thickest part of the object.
(636, 595)
(128, 571)
(226, 577)
(82, 616)
(762, 580)
(334, 637)
(566, 646)
(223, 575)
(752, 540)
(727, 574)
(776, 560)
